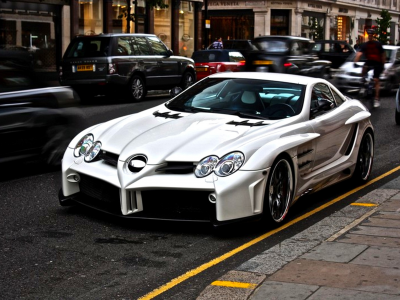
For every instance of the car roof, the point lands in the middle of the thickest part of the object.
(331, 41)
(285, 37)
(113, 35)
(289, 78)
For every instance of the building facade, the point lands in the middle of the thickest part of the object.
(325, 19)
(45, 27)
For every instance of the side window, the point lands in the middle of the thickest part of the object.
(158, 47)
(141, 46)
(124, 47)
(339, 100)
(322, 100)
(295, 49)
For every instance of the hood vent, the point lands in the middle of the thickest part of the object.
(109, 158)
(167, 115)
(246, 123)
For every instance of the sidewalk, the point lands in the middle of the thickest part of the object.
(353, 254)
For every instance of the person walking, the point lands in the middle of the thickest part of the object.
(218, 44)
(376, 58)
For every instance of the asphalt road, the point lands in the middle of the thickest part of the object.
(53, 252)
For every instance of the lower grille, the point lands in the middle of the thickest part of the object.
(99, 194)
(157, 204)
(176, 204)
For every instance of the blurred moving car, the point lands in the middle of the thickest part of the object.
(235, 145)
(34, 119)
(213, 61)
(133, 63)
(286, 54)
(337, 52)
(349, 77)
(242, 45)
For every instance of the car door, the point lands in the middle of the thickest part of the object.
(168, 66)
(335, 136)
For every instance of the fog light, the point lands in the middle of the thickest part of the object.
(212, 198)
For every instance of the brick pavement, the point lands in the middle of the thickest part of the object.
(352, 254)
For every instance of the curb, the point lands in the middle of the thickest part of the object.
(242, 282)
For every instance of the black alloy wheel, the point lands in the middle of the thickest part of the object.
(279, 192)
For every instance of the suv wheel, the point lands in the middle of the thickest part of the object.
(187, 80)
(137, 88)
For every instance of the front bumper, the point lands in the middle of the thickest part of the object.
(150, 194)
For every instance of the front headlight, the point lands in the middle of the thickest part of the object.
(84, 145)
(229, 164)
(92, 153)
(206, 166)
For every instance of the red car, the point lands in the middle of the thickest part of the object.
(212, 61)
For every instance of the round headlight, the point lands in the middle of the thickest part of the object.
(206, 166)
(84, 145)
(229, 164)
(93, 152)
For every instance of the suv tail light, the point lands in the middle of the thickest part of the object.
(287, 64)
(112, 68)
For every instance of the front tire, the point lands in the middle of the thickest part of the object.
(280, 190)
(397, 117)
(365, 158)
(137, 88)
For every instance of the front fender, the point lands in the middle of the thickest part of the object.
(264, 157)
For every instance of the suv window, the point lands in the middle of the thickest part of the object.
(88, 47)
(158, 47)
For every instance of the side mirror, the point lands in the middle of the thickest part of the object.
(169, 53)
(175, 91)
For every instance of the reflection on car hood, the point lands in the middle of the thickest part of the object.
(189, 138)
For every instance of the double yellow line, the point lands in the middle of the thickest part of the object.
(191, 273)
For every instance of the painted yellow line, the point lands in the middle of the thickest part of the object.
(233, 284)
(363, 204)
(215, 261)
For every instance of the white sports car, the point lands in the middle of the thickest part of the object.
(232, 146)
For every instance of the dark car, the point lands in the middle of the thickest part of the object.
(135, 63)
(213, 61)
(35, 118)
(285, 54)
(336, 52)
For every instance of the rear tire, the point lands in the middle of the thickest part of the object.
(279, 191)
(365, 159)
(137, 88)
(188, 78)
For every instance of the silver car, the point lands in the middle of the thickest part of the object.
(349, 77)
(234, 145)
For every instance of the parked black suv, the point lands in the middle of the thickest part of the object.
(104, 63)
(285, 54)
(336, 52)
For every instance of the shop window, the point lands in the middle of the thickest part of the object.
(186, 29)
(90, 17)
(162, 22)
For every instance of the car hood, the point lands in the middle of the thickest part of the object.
(188, 138)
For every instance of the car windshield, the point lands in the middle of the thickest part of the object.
(208, 56)
(247, 98)
(271, 45)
